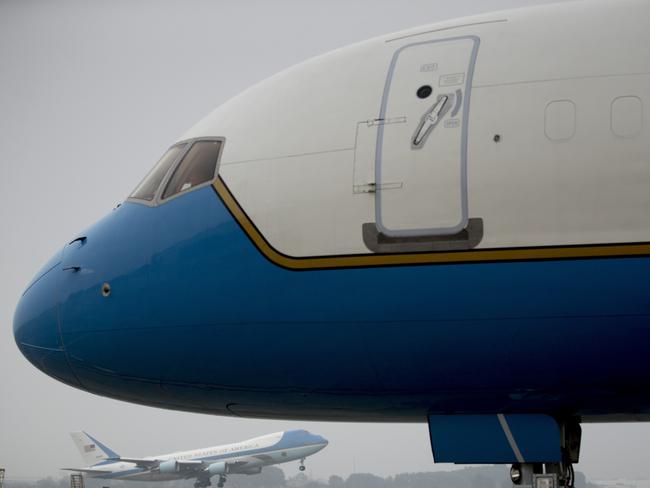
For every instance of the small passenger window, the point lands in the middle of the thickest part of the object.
(198, 166)
(146, 190)
(560, 120)
(627, 116)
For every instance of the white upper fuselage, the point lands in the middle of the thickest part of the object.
(549, 147)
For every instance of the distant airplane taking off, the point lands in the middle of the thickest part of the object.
(449, 224)
(247, 457)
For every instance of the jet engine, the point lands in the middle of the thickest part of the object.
(168, 467)
(217, 468)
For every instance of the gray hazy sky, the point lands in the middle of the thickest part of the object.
(91, 93)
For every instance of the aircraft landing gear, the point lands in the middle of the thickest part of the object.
(542, 475)
(302, 465)
(222, 481)
(202, 483)
(553, 474)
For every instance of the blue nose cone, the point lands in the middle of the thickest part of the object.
(309, 438)
(319, 439)
(36, 325)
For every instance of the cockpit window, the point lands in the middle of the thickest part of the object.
(198, 166)
(146, 190)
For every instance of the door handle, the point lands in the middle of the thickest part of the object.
(429, 120)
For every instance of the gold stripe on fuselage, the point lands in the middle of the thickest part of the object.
(441, 257)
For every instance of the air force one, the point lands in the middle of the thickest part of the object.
(449, 224)
(247, 457)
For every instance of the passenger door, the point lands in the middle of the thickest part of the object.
(428, 84)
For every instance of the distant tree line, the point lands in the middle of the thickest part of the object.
(272, 477)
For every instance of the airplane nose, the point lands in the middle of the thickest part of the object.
(36, 325)
(321, 440)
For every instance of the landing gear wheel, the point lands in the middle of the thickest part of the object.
(302, 468)
(549, 475)
(302, 465)
(222, 481)
(555, 474)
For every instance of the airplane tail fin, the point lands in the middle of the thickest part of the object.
(92, 451)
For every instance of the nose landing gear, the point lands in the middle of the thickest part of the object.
(302, 465)
(552, 475)
(542, 475)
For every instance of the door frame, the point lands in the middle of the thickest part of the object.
(440, 231)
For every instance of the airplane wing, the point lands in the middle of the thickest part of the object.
(188, 465)
(141, 463)
(81, 470)
(154, 463)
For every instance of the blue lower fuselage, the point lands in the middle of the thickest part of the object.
(198, 319)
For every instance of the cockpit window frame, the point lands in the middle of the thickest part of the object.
(157, 199)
